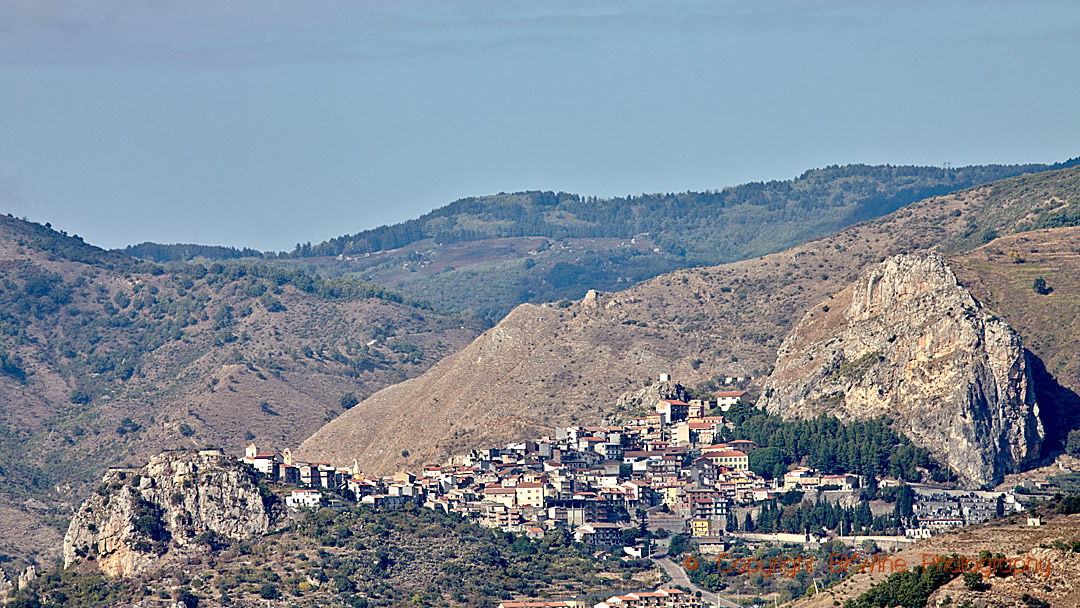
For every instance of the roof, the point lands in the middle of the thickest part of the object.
(726, 454)
(598, 524)
(723, 394)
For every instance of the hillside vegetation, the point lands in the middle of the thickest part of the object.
(355, 557)
(553, 364)
(485, 255)
(104, 358)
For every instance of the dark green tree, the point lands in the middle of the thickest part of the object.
(763, 461)
(1072, 444)
(1039, 286)
(348, 400)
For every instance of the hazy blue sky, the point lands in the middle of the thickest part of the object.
(267, 122)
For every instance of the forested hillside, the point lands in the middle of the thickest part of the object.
(104, 358)
(485, 255)
(733, 223)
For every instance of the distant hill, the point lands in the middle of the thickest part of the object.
(104, 359)
(186, 252)
(487, 254)
(561, 363)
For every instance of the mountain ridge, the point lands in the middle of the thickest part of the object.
(487, 254)
(741, 311)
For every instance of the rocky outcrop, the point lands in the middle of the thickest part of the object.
(178, 499)
(7, 588)
(28, 576)
(648, 398)
(906, 341)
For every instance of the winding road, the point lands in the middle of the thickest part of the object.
(678, 577)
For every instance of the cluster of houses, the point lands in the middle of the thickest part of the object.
(937, 510)
(668, 468)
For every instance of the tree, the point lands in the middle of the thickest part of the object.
(188, 599)
(269, 591)
(999, 506)
(973, 580)
(1072, 444)
(748, 523)
(1039, 286)
(679, 544)
(905, 501)
(763, 461)
(348, 400)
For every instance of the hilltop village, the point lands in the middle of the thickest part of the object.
(666, 470)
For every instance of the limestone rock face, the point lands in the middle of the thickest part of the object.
(28, 576)
(171, 503)
(906, 341)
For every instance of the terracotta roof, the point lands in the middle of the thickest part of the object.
(726, 454)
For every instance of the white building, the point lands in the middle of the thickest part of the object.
(304, 498)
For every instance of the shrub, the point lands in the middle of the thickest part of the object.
(188, 599)
(269, 591)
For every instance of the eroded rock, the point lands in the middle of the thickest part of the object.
(908, 342)
(178, 499)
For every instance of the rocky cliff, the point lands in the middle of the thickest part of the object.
(906, 341)
(178, 499)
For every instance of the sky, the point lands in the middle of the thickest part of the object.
(265, 123)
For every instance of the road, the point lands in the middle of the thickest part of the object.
(678, 577)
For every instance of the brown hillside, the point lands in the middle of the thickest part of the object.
(104, 361)
(1009, 536)
(543, 365)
